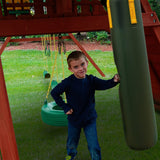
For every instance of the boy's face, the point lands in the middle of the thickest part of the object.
(79, 67)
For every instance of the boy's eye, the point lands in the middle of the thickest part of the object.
(75, 67)
(83, 64)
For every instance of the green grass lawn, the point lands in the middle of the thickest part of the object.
(27, 90)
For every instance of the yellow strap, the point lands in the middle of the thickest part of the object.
(45, 57)
(132, 11)
(109, 14)
(57, 69)
(55, 50)
(53, 67)
(43, 48)
(50, 46)
(62, 63)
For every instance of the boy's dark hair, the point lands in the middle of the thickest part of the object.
(75, 55)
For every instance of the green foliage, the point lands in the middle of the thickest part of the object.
(33, 36)
(101, 36)
(2, 8)
(91, 35)
(2, 38)
(155, 5)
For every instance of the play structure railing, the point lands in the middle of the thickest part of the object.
(50, 8)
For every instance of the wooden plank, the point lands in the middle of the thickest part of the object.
(56, 25)
(145, 6)
(157, 33)
(155, 85)
(20, 27)
(85, 9)
(38, 8)
(155, 58)
(36, 39)
(67, 7)
(51, 8)
(150, 19)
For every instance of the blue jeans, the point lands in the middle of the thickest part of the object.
(92, 140)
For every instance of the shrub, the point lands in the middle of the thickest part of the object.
(91, 35)
(102, 36)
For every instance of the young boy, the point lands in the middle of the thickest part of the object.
(80, 107)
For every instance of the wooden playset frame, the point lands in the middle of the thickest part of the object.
(20, 18)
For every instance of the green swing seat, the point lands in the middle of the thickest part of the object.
(53, 115)
(53, 83)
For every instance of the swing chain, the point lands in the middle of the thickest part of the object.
(47, 47)
(60, 44)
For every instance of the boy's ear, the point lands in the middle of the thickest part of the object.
(87, 62)
(69, 68)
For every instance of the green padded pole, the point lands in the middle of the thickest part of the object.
(135, 88)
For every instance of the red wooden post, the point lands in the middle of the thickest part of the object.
(59, 7)
(145, 6)
(85, 9)
(38, 7)
(67, 7)
(89, 58)
(4, 45)
(155, 80)
(51, 11)
(1, 15)
(7, 137)
(152, 35)
(98, 9)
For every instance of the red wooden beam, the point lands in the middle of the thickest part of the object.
(146, 6)
(157, 33)
(152, 35)
(150, 19)
(19, 27)
(89, 58)
(7, 136)
(155, 85)
(4, 45)
(36, 39)
(67, 23)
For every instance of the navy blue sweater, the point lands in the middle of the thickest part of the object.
(80, 94)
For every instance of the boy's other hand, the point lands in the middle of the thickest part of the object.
(70, 111)
(116, 78)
